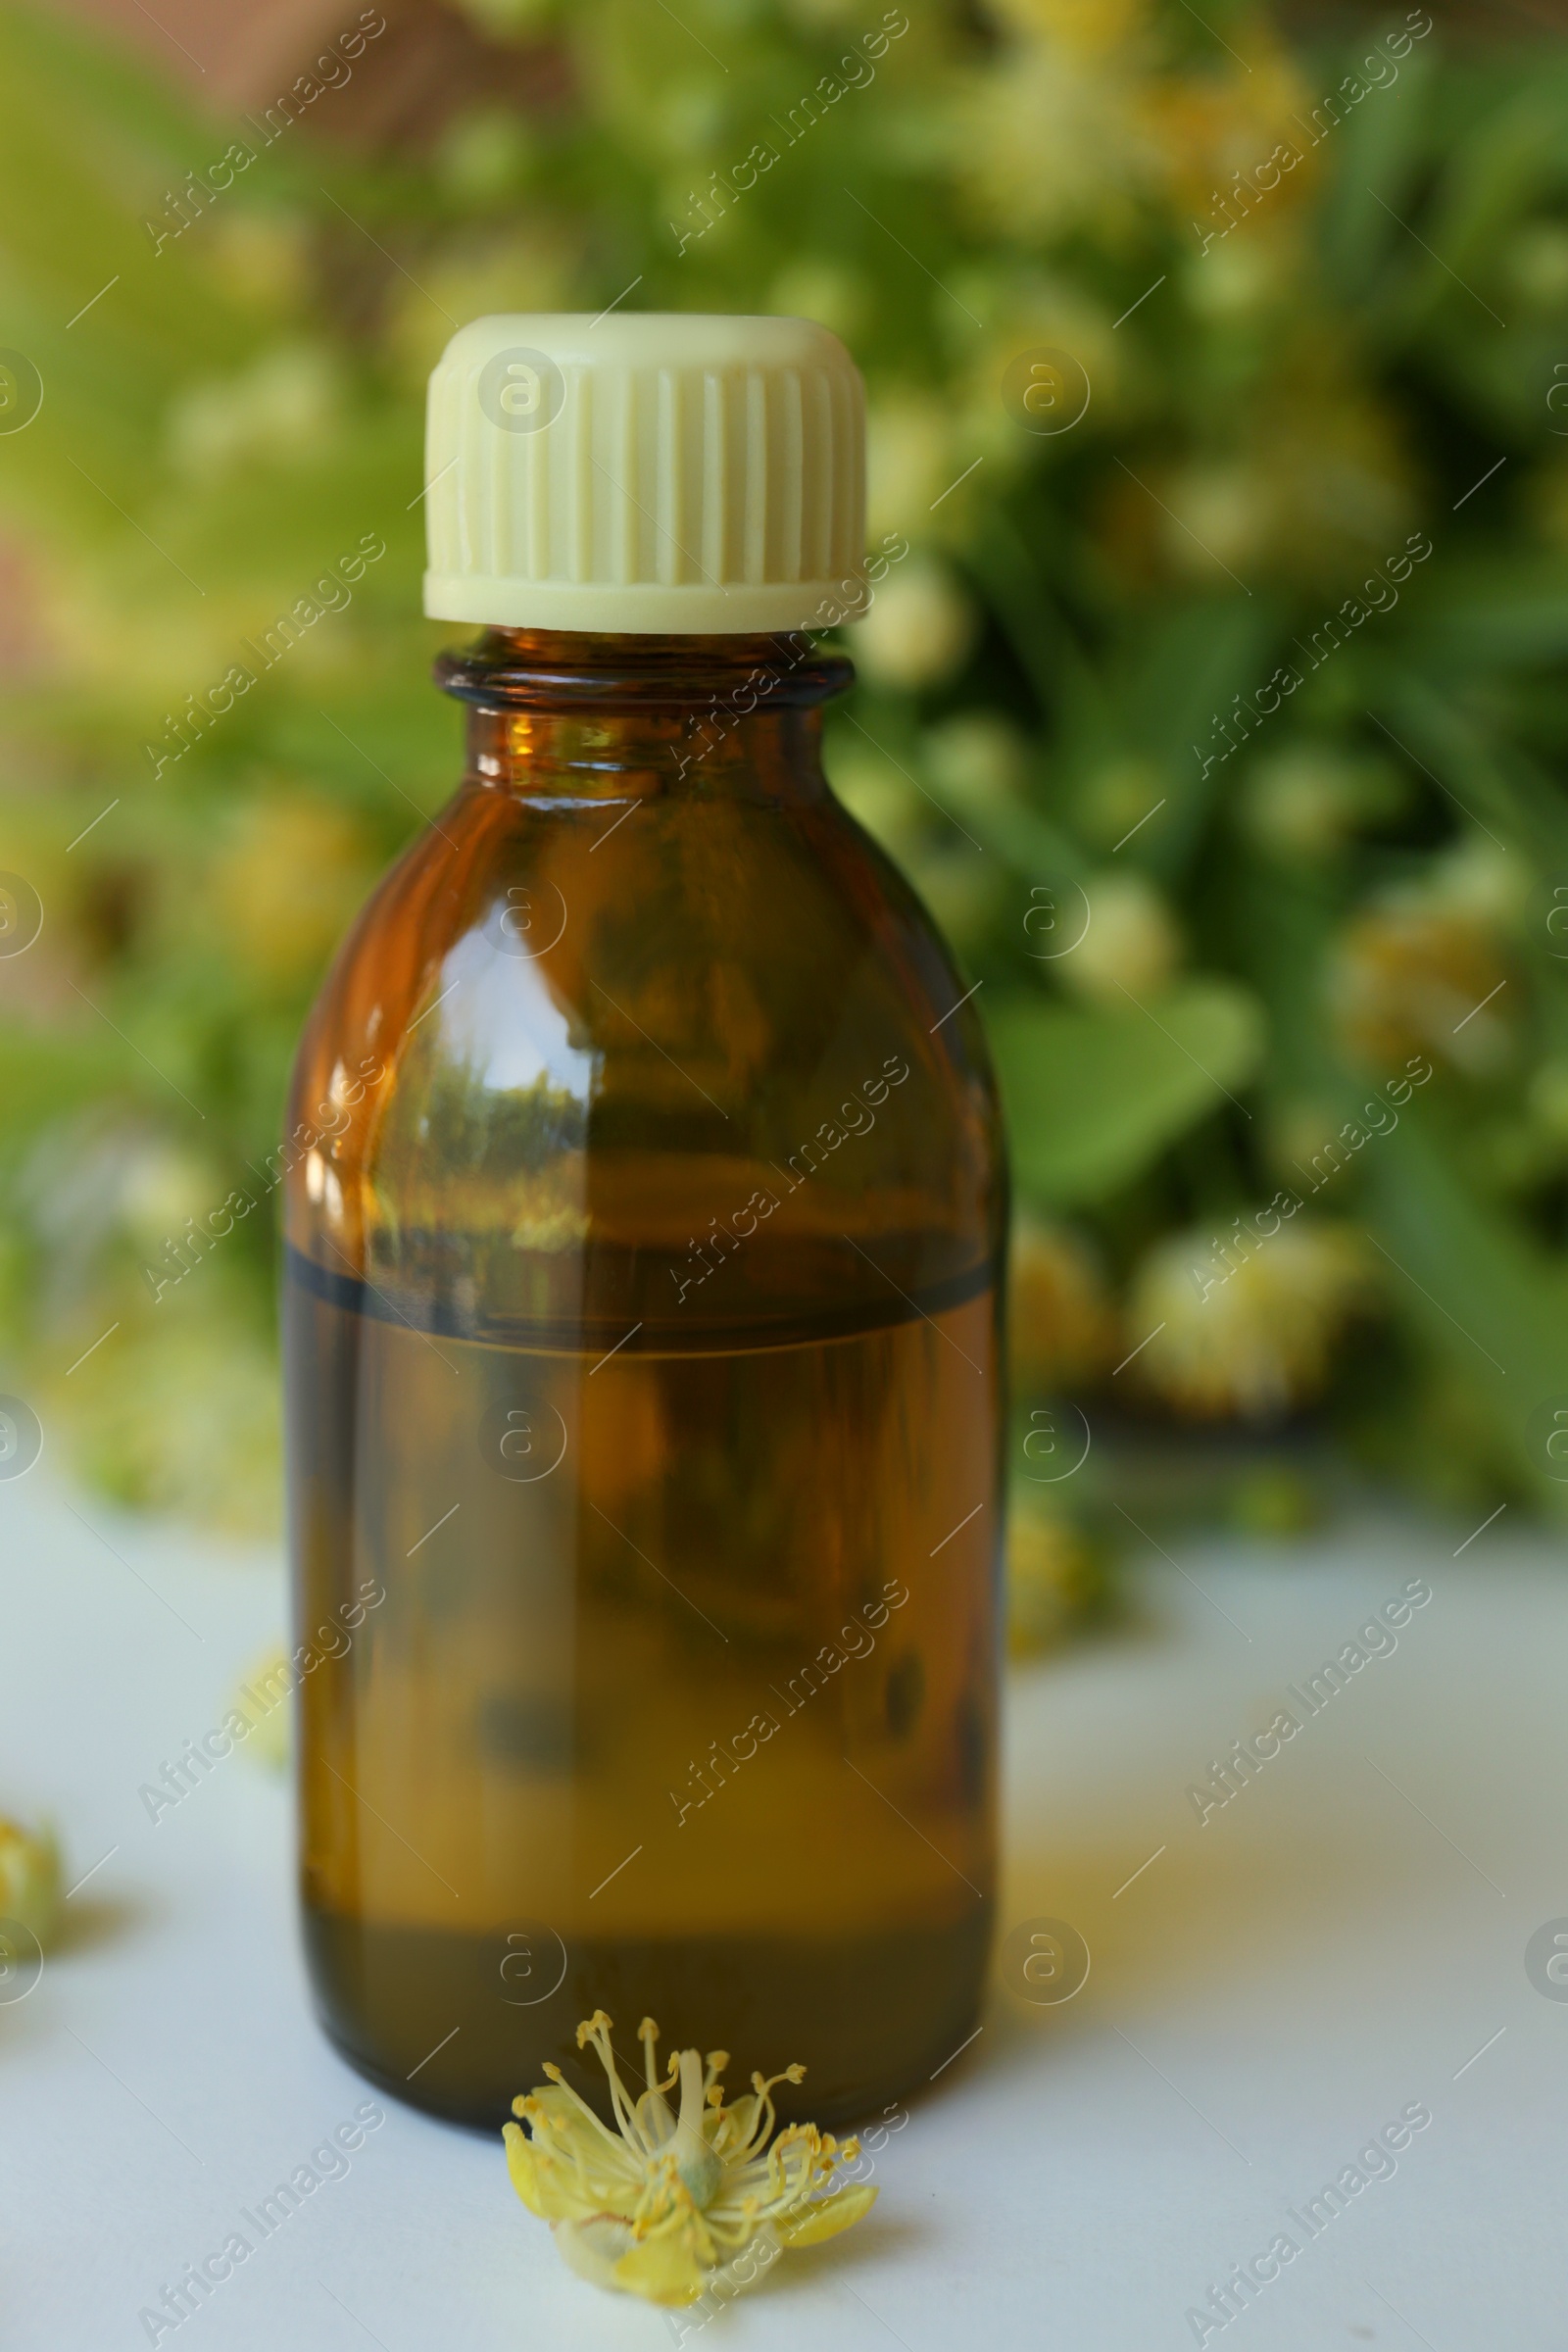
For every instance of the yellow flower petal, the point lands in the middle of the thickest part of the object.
(663, 2269)
(523, 2166)
(825, 2220)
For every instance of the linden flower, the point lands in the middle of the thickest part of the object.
(1247, 1330)
(1062, 1327)
(1055, 1580)
(261, 1699)
(919, 630)
(1408, 979)
(1131, 946)
(1053, 137)
(657, 2210)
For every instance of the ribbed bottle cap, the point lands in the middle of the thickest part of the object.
(650, 471)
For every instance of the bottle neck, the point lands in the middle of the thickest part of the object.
(552, 710)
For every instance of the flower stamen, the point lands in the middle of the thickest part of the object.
(648, 2208)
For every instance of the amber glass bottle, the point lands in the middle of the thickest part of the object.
(641, 1323)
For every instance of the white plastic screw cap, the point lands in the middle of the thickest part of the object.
(646, 471)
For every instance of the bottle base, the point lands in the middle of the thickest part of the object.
(454, 2025)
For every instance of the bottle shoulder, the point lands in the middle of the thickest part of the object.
(610, 1027)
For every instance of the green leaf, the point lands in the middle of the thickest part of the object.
(1505, 609)
(1095, 1093)
(1495, 783)
(1377, 157)
(1173, 675)
(1472, 1288)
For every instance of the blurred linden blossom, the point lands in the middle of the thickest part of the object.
(484, 154)
(878, 797)
(1408, 978)
(1036, 313)
(1244, 1327)
(1310, 800)
(1061, 1325)
(288, 401)
(1298, 1127)
(102, 1172)
(1089, 26)
(1477, 878)
(836, 297)
(262, 1697)
(182, 1414)
(161, 1185)
(1131, 947)
(1537, 262)
(287, 882)
(1548, 1099)
(977, 758)
(262, 256)
(532, 265)
(689, 123)
(1057, 140)
(1054, 1575)
(1215, 518)
(919, 629)
(1226, 280)
(1213, 123)
(908, 446)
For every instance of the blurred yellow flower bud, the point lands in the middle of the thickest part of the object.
(1060, 1322)
(1244, 1322)
(975, 759)
(1057, 140)
(263, 1698)
(30, 1880)
(1055, 1578)
(288, 883)
(824, 290)
(288, 401)
(1548, 1099)
(1237, 275)
(909, 461)
(1130, 944)
(1537, 264)
(1411, 979)
(1477, 879)
(919, 629)
(1308, 799)
(879, 796)
(1215, 517)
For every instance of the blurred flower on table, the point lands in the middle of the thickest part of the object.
(29, 1882)
(1057, 1581)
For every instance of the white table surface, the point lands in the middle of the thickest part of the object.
(1266, 1995)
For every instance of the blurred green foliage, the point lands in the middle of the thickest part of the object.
(1203, 945)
